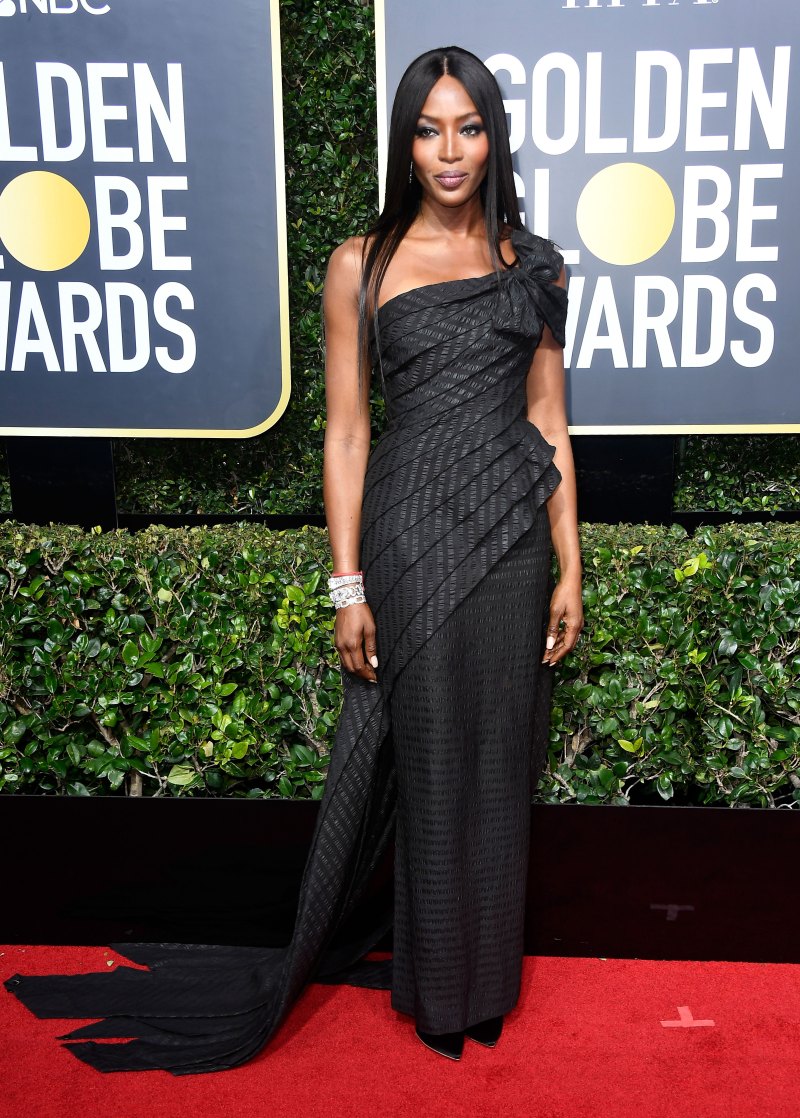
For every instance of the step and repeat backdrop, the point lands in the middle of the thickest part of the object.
(656, 142)
(143, 283)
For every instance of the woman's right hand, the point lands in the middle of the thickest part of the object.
(354, 638)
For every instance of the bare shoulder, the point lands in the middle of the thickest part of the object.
(343, 275)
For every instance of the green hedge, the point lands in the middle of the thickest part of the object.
(738, 473)
(197, 661)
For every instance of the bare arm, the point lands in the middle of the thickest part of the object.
(547, 409)
(346, 449)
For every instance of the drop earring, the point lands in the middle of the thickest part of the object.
(411, 171)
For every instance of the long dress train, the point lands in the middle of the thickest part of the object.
(455, 549)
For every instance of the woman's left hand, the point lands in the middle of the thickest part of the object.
(566, 605)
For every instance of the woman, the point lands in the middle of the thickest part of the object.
(441, 543)
(441, 537)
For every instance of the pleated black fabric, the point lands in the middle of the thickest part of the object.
(443, 753)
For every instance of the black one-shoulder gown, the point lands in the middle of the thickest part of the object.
(443, 754)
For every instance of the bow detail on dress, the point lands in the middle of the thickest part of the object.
(527, 295)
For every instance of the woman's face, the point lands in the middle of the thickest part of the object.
(451, 148)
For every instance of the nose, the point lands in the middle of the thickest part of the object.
(450, 146)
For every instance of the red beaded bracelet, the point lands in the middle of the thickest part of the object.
(338, 574)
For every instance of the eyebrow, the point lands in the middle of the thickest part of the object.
(435, 119)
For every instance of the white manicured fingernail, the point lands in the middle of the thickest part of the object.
(374, 661)
(551, 641)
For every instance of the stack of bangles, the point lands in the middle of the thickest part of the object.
(346, 588)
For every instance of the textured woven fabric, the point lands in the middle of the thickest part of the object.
(469, 726)
(443, 752)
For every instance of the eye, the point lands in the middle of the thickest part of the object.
(424, 131)
(472, 129)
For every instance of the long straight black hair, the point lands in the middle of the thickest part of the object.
(401, 205)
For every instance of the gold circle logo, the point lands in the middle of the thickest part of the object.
(625, 213)
(44, 221)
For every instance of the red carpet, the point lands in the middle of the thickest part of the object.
(590, 1038)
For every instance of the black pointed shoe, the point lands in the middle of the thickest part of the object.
(486, 1032)
(446, 1044)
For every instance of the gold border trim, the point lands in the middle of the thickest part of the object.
(593, 429)
(380, 95)
(688, 429)
(283, 296)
